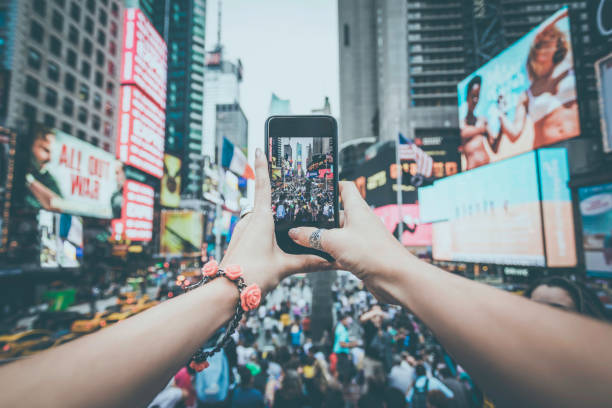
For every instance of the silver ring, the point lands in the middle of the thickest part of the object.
(315, 240)
(245, 211)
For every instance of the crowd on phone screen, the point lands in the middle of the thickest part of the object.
(375, 356)
(303, 201)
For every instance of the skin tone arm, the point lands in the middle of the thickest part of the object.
(127, 364)
(514, 129)
(520, 352)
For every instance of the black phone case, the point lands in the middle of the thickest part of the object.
(283, 240)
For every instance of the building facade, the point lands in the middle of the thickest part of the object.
(182, 25)
(232, 124)
(63, 59)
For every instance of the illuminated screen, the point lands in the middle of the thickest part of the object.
(603, 70)
(181, 232)
(303, 182)
(523, 99)
(170, 195)
(596, 212)
(61, 240)
(493, 214)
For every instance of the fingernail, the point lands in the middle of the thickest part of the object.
(258, 152)
(293, 232)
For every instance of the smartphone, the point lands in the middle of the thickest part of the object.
(302, 154)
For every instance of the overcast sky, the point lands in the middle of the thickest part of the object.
(289, 47)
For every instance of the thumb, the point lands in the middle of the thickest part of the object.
(305, 236)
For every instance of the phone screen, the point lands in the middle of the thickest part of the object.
(304, 183)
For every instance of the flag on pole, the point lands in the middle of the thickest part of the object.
(408, 150)
(232, 158)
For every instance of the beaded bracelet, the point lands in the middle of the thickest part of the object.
(248, 299)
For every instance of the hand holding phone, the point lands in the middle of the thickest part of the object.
(303, 164)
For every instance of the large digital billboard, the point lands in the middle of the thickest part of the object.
(61, 240)
(523, 99)
(144, 61)
(596, 212)
(136, 202)
(141, 132)
(170, 195)
(514, 212)
(603, 72)
(7, 166)
(181, 233)
(67, 175)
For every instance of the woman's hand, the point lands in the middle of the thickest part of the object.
(253, 245)
(362, 245)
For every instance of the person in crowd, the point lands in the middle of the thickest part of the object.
(184, 380)
(290, 394)
(402, 373)
(423, 384)
(342, 341)
(461, 397)
(437, 399)
(245, 395)
(376, 346)
(563, 293)
(479, 325)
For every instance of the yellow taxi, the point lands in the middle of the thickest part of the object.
(90, 325)
(14, 345)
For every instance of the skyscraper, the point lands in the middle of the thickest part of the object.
(182, 25)
(63, 59)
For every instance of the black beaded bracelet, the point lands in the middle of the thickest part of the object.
(233, 274)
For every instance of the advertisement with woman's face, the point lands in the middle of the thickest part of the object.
(523, 99)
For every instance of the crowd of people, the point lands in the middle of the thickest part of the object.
(376, 356)
(303, 201)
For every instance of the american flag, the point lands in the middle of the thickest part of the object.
(408, 150)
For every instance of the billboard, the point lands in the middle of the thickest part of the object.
(485, 215)
(144, 56)
(67, 175)
(7, 166)
(603, 73)
(61, 240)
(415, 233)
(141, 132)
(136, 202)
(596, 212)
(181, 233)
(523, 99)
(171, 182)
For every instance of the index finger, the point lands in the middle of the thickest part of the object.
(263, 191)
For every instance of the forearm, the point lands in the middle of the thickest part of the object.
(503, 339)
(126, 364)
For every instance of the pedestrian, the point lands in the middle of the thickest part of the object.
(245, 395)
(290, 394)
(423, 383)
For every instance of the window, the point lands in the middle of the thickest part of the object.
(113, 29)
(347, 41)
(102, 17)
(91, 5)
(85, 69)
(73, 35)
(49, 120)
(68, 106)
(89, 25)
(31, 86)
(111, 68)
(71, 58)
(115, 9)
(97, 101)
(58, 21)
(61, 3)
(55, 46)
(40, 7)
(84, 92)
(51, 97)
(82, 115)
(34, 59)
(96, 123)
(110, 88)
(53, 72)
(100, 58)
(75, 12)
(106, 147)
(81, 134)
(70, 82)
(87, 47)
(67, 127)
(108, 129)
(109, 109)
(112, 48)
(99, 79)
(37, 32)
(95, 141)
(101, 38)
(29, 112)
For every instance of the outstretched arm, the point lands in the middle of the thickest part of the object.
(520, 352)
(126, 364)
